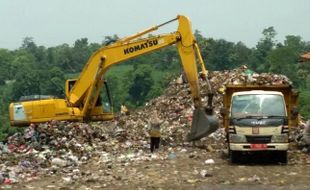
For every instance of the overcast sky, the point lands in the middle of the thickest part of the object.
(54, 22)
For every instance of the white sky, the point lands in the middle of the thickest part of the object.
(54, 22)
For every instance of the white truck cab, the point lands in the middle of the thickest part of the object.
(258, 120)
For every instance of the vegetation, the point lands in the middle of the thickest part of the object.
(33, 69)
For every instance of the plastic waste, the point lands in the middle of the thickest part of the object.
(172, 155)
(59, 162)
(209, 161)
(1, 178)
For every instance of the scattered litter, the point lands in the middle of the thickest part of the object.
(209, 161)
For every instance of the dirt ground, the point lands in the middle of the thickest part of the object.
(186, 168)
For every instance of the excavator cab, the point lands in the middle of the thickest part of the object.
(103, 105)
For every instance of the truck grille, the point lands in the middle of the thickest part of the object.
(258, 139)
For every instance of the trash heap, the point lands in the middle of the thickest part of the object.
(301, 135)
(62, 147)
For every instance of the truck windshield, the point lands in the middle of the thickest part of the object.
(265, 105)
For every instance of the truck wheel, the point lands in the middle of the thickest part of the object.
(282, 156)
(234, 156)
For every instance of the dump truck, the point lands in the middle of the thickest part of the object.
(259, 118)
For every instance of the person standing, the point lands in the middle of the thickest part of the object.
(124, 110)
(154, 132)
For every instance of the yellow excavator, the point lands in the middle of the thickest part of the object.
(82, 102)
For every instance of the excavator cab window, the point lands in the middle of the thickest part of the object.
(105, 98)
(71, 84)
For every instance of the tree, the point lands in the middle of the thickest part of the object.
(141, 84)
(21, 58)
(263, 47)
(304, 98)
(94, 47)
(38, 52)
(203, 45)
(295, 43)
(27, 83)
(283, 61)
(52, 82)
(116, 91)
(63, 58)
(284, 58)
(240, 55)
(29, 45)
(80, 54)
(5, 59)
(219, 52)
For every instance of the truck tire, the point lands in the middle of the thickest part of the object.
(234, 156)
(282, 157)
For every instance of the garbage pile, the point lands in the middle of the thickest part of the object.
(62, 147)
(302, 136)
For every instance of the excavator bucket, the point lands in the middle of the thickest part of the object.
(202, 125)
